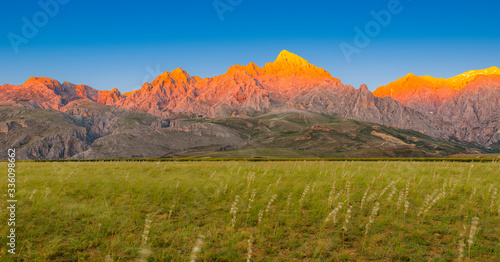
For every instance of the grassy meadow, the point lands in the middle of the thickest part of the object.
(255, 211)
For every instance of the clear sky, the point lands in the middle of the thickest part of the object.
(121, 44)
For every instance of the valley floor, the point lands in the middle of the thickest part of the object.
(261, 211)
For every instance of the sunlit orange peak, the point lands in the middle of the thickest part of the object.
(178, 74)
(42, 80)
(290, 58)
(460, 81)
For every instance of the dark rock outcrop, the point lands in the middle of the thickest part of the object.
(474, 111)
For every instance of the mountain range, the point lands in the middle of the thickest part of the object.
(463, 110)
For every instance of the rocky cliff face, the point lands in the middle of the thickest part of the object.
(474, 111)
(190, 137)
(467, 104)
(361, 104)
(41, 92)
(423, 103)
(86, 129)
(417, 93)
(290, 81)
(101, 120)
(426, 93)
(460, 81)
(40, 135)
(241, 91)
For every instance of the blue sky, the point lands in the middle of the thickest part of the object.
(121, 44)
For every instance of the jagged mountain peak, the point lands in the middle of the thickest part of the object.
(410, 75)
(289, 82)
(179, 72)
(45, 81)
(460, 81)
(290, 58)
(178, 75)
(363, 87)
(412, 83)
(251, 69)
(408, 83)
(486, 81)
(289, 64)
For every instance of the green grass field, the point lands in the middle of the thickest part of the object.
(161, 211)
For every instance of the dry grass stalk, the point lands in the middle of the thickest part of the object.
(347, 218)
(271, 202)
(371, 197)
(304, 194)
(331, 195)
(372, 217)
(289, 201)
(196, 248)
(470, 172)
(474, 190)
(252, 198)
(145, 234)
(212, 175)
(32, 194)
(145, 252)
(219, 190)
(278, 181)
(407, 205)
(364, 198)
(347, 190)
(427, 201)
(172, 207)
(268, 187)
(261, 215)
(453, 186)
(493, 198)
(461, 244)
(386, 188)
(234, 210)
(392, 193)
(333, 215)
(432, 203)
(249, 249)
(400, 200)
(473, 231)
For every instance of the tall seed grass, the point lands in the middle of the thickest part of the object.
(99, 211)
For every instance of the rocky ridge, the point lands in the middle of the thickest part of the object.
(424, 104)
